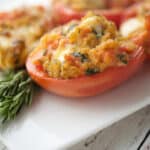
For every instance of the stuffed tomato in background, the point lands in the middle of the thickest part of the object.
(138, 29)
(67, 10)
(20, 31)
(84, 58)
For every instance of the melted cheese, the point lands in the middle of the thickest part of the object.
(131, 25)
(60, 55)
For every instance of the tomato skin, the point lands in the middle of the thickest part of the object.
(142, 42)
(147, 24)
(87, 85)
(63, 14)
(130, 12)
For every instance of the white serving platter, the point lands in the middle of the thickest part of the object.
(56, 123)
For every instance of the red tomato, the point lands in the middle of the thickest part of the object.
(86, 85)
(147, 22)
(63, 14)
(147, 41)
(142, 37)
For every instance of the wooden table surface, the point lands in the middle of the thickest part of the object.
(132, 133)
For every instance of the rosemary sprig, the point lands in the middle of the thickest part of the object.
(16, 90)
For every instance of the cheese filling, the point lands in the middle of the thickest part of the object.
(131, 26)
(84, 48)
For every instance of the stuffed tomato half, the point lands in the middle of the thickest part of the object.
(84, 58)
(67, 10)
(138, 30)
(136, 25)
(20, 31)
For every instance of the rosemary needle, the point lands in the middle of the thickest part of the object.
(16, 90)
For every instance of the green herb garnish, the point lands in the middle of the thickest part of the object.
(92, 71)
(16, 90)
(98, 32)
(71, 27)
(83, 57)
(122, 58)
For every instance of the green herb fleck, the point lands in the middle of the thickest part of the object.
(98, 32)
(71, 27)
(83, 57)
(91, 71)
(122, 58)
(44, 52)
(66, 30)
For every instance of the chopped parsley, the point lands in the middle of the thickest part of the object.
(44, 52)
(98, 32)
(71, 27)
(92, 71)
(82, 57)
(122, 58)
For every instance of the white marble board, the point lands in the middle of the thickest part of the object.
(54, 122)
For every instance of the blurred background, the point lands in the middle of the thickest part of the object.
(7, 4)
